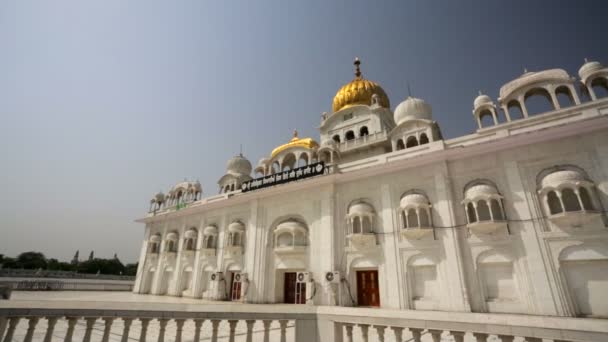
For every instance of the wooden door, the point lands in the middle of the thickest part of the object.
(368, 293)
(289, 288)
(235, 288)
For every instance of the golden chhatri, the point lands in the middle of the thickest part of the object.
(295, 142)
(359, 91)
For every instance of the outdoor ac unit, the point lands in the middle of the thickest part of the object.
(332, 277)
(304, 277)
(217, 276)
(240, 277)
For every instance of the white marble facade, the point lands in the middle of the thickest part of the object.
(509, 219)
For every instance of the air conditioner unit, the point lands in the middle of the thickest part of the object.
(303, 277)
(332, 277)
(217, 276)
(240, 277)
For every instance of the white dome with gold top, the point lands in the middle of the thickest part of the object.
(359, 92)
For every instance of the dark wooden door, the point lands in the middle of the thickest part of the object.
(368, 293)
(235, 288)
(294, 292)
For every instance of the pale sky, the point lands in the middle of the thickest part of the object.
(104, 103)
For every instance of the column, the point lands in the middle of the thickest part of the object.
(266, 324)
(126, 329)
(435, 335)
(380, 331)
(50, 327)
(175, 285)
(349, 332)
(142, 261)
(144, 329)
(107, 328)
(198, 323)
(458, 336)
(364, 332)
(254, 256)
(250, 323)
(398, 331)
(215, 323)
(12, 324)
(505, 109)
(196, 267)
(533, 339)
(70, 332)
(480, 337)
(90, 322)
(283, 325)
(554, 99)
(162, 322)
(494, 117)
(416, 333)
(232, 328)
(392, 282)
(577, 100)
(3, 324)
(179, 325)
(31, 327)
(506, 338)
(522, 106)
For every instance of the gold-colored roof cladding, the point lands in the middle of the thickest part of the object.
(359, 91)
(295, 142)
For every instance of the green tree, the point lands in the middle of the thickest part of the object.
(32, 260)
(131, 269)
(103, 266)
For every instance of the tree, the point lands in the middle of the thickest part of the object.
(32, 260)
(103, 266)
(131, 269)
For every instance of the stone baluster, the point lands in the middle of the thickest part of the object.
(416, 334)
(107, 328)
(215, 323)
(90, 322)
(480, 337)
(435, 335)
(70, 332)
(232, 329)
(398, 331)
(144, 329)
(179, 326)
(250, 324)
(162, 322)
(126, 328)
(458, 336)
(50, 327)
(349, 332)
(533, 339)
(198, 323)
(266, 324)
(12, 324)
(364, 329)
(380, 331)
(506, 338)
(3, 324)
(31, 327)
(283, 325)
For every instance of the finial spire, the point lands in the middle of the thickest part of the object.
(525, 70)
(295, 133)
(586, 60)
(479, 92)
(241, 150)
(357, 63)
(409, 89)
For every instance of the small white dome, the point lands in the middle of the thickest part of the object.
(191, 233)
(481, 100)
(236, 226)
(588, 69)
(413, 200)
(239, 165)
(171, 236)
(360, 208)
(159, 197)
(413, 108)
(263, 161)
(155, 238)
(290, 226)
(480, 190)
(560, 177)
(210, 230)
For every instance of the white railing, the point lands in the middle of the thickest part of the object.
(362, 141)
(45, 321)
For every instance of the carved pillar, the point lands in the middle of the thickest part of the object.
(349, 332)
(416, 333)
(50, 327)
(250, 323)
(364, 332)
(506, 338)
(458, 336)
(31, 327)
(162, 322)
(435, 335)
(126, 328)
(179, 326)
(380, 331)
(70, 332)
(232, 329)
(398, 331)
(480, 337)
(107, 328)
(266, 324)
(283, 325)
(12, 324)
(3, 324)
(90, 322)
(215, 323)
(144, 329)
(522, 106)
(198, 323)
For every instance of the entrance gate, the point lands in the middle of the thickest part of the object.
(368, 293)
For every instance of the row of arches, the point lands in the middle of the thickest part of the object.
(350, 135)
(412, 141)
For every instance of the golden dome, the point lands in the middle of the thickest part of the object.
(295, 142)
(359, 91)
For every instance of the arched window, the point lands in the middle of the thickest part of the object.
(415, 215)
(336, 138)
(400, 145)
(570, 200)
(412, 218)
(423, 139)
(276, 168)
(600, 87)
(483, 206)
(357, 225)
(586, 199)
(538, 101)
(350, 135)
(411, 142)
(486, 118)
(471, 213)
(363, 131)
(288, 234)
(555, 207)
(303, 160)
(496, 210)
(289, 162)
(483, 212)
(424, 219)
(564, 97)
(515, 111)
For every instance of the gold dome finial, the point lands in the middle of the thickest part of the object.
(295, 133)
(357, 63)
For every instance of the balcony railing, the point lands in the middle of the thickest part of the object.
(79, 321)
(362, 141)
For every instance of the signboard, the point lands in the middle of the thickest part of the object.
(303, 172)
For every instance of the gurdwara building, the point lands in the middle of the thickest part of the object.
(382, 211)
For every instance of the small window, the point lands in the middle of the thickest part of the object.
(483, 211)
(336, 138)
(471, 213)
(350, 135)
(555, 207)
(496, 210)
(570, 200)
(348, 116)
(363, 131)
(400, 145)
(423, 139)
(585, 198)
(411, 142)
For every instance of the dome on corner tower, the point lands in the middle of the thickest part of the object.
(359, 92)
(239, 165)
(413, 108)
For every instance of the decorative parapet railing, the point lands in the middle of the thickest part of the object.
(362, 141)
(296, 322)
(24, 273)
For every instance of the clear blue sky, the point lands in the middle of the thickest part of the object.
(103, 103)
